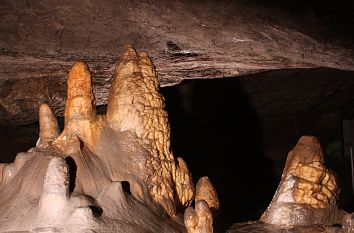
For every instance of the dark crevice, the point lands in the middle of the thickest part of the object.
(126, 187)
(96, 210)
(72, 173)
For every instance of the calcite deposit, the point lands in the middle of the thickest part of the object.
(105, 173)
(308, 191)
(306, 198)
(206, 191)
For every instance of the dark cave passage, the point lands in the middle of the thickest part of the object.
(238, 131)
(220, 136)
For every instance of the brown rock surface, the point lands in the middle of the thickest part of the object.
(187, 39)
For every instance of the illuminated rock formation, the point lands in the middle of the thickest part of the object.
(307, 193)
(198, 219)
(109, 173)
(206, 191)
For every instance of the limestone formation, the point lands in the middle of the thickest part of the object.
(198, 219)
(305, 200)
(105, 173)
(206, 191)
(308, 191)
(48, 125)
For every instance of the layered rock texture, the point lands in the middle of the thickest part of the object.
(40, 40)
(105, 173)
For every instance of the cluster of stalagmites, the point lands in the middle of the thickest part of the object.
(105, 173)
(116, 172)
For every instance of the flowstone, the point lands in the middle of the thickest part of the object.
(105, 173)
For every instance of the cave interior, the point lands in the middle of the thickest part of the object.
(238, 130)
(232, 131)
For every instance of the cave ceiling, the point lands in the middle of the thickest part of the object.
(40, 40)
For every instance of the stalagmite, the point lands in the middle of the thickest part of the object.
(206, 191)
(198, 219)
(135, 107)
(308, 191)
(48, 125)
(55, 195)
(306, 198)
(81, 120)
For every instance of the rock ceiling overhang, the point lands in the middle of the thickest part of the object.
(39, 42)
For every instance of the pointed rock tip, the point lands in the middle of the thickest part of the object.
(204, 179)
(206, 191)
(182, 164)
(145, 59)
(79, 67)
(81, 101)
(47, 123)
(44, 108)
(128, 46)
(144, 54)
(79, 80)
(129, 52)
(308, 140)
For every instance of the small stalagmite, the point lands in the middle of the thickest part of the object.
(206, 191)
(308, 191)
